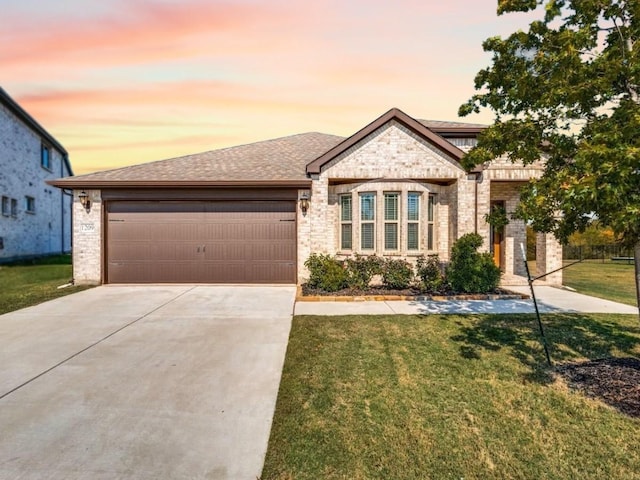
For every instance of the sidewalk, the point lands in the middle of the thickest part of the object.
(550, 299)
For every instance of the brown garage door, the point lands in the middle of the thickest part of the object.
(201, 242)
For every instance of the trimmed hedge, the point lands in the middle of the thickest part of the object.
(469, 271)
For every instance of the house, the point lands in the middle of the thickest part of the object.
(35, 218)
(254, 213)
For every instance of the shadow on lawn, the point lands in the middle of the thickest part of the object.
(569, 336)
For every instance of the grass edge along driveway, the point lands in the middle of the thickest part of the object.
(414, 397)
(28, 283)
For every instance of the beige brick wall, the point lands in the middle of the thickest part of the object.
(87, 243)
(386, 161)
(548, 258)
(515, 231)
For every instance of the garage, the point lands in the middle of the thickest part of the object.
(200, 242)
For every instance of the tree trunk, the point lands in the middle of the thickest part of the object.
(636, 254)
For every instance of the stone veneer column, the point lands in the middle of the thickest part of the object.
(87, 239)
(548, 258)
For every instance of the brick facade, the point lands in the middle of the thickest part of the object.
(395, 159)
(87, 240)
(46, 229)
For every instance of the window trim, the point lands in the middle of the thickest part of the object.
(367, 222)
(414, 221)
(30, 204)
(45, 148)
(346, 222)
(391, 221)
(432, 202)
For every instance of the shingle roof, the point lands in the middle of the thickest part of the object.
(437, 124)
(280, 160)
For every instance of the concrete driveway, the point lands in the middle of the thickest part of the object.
(142, 382)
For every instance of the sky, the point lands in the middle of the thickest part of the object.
(122, 82)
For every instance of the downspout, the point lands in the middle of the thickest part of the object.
(475, 216)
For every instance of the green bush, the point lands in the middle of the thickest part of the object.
(470, 271)
(428, 270)
(361, 269)
(326, 273)
(397, 274)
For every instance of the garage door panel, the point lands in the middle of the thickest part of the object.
(201, 242)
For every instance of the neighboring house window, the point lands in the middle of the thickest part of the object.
(30, 204)
(431, 207)
(14, 207)
(391, 229)
(45, 157)
(5, 206)
(367, 221)
(346, 222)
(413, 221)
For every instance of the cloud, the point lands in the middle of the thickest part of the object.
(145, 31)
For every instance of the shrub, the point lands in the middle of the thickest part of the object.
(326, 273)
(470, 271)
(428, 270)
(397, 274)
(361, 269)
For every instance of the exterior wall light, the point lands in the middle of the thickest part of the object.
(304, 202)
(84, 200)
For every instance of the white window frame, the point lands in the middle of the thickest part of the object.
(367, 221)
(413, 221)
(392, 220)
(432, 202)
(346, 222)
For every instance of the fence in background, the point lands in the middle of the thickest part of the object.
(603, 253)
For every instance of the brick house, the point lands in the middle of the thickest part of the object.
(254, 213)
(35, 218)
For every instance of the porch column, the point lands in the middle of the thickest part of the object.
(548, 258)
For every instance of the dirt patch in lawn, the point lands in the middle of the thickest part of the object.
(615, 381)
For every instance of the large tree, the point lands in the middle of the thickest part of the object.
(567, 91)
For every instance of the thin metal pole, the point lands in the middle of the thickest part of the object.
(535, 304)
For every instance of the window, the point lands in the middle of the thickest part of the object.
(431, 222)
(14, 207)
(30, 204)
(45, 157)
(346, 225)
(5, 206)
(391, 229)
(367, 221)
(413, 221)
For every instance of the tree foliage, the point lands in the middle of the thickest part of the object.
(567, 91)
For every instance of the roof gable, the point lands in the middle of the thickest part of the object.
(315, 167)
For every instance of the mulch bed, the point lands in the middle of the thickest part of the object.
(615, 381)
(382, 291)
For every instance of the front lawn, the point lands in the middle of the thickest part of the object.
(613, 281)
(31, 282)
(448, 397)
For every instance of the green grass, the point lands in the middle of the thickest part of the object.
(31, 282)
(448, 397)
(612, 281)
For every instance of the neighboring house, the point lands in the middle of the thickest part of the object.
(35, 218)
(254, 213)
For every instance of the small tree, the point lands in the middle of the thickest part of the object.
(567, 90)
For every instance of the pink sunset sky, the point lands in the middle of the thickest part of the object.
(121, 82)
